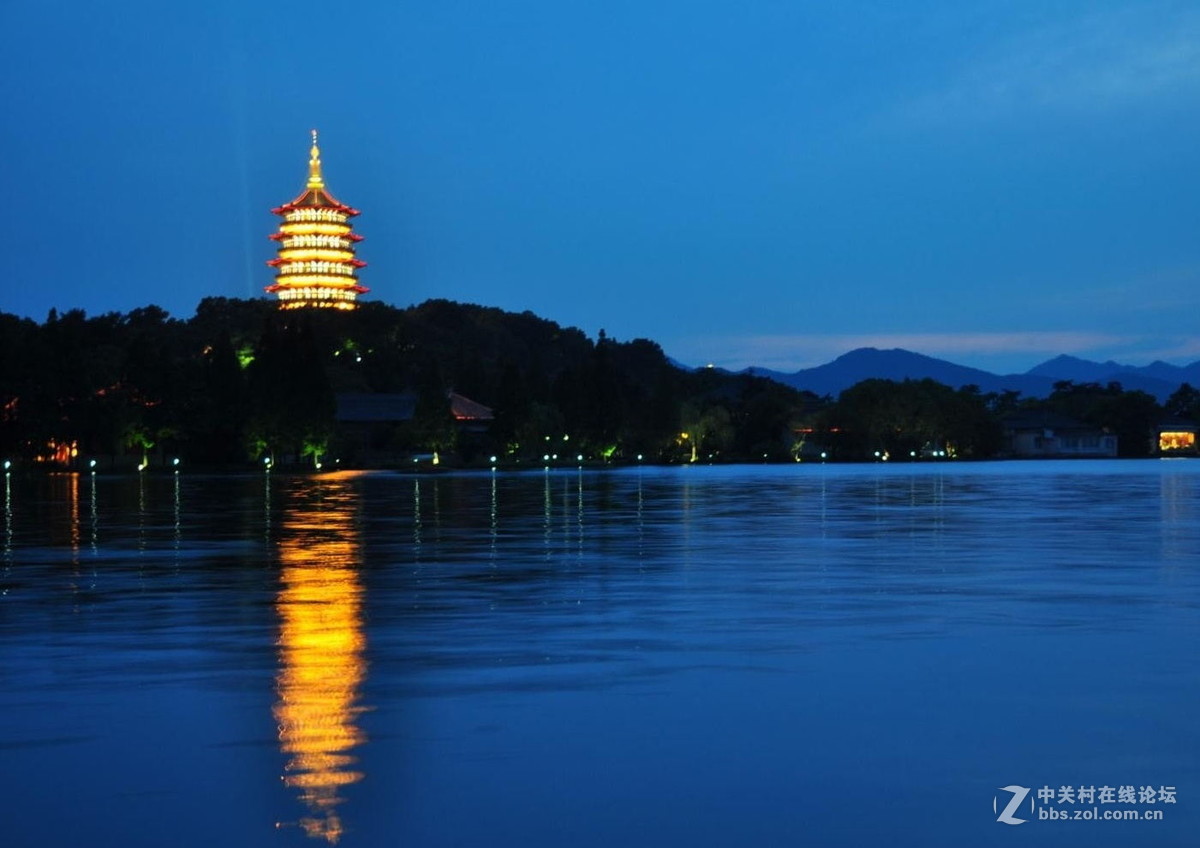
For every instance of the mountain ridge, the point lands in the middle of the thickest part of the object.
(1159, 379)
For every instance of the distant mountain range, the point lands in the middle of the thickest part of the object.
(1160, 379)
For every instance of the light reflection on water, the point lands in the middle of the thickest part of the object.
(696, 656)
(322, 645)
(8, 519)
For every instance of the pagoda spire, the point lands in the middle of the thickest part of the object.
(314, 165)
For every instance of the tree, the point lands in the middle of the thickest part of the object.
(292, 405)
(913, 417)
(707, 431)
(218, 424)
(1130, 415)
(1184, 403)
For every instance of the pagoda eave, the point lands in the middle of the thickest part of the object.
(278, 287)
(348, 211)
(277, 261)
(291, 281)
(304, 202)
(277, 236)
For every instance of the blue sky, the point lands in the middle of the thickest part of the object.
(766, 183)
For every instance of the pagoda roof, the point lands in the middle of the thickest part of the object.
(465, 409)
(315, 198)
(315, 195)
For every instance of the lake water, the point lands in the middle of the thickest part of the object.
(703, 656)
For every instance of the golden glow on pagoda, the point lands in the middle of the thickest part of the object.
(321, 647)
(316, 266)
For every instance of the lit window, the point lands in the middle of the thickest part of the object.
(1176, 440)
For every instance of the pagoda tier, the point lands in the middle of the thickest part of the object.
(316, 266)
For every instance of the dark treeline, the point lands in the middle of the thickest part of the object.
(921, 417)
(241, 381)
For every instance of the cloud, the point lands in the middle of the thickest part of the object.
(1103, 61)
(1168, 350)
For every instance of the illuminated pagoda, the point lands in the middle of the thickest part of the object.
(316, 266)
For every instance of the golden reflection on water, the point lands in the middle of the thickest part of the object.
(8, 517)
(72, 484)
(321, 646)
